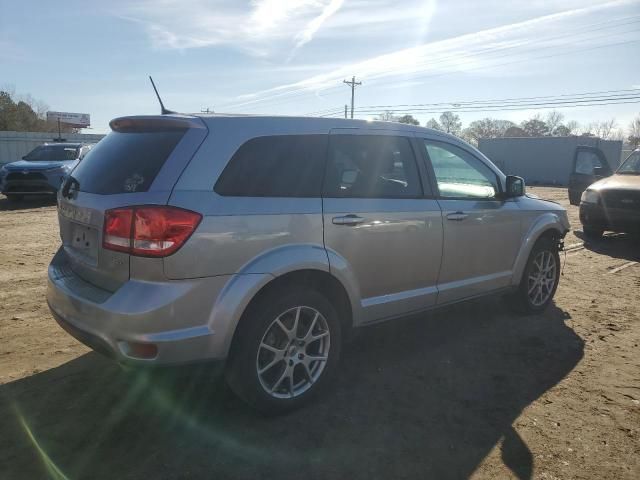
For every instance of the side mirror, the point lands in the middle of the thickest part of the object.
(515, 186)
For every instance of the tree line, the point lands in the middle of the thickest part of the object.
(25, 114)
(552, 124)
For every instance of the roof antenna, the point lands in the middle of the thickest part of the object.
(163, 110)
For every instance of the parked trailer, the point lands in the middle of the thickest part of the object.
(545, 160)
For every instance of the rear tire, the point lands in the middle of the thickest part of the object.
(286, 351)
(539, 279)
(574, 198)
(592, 233)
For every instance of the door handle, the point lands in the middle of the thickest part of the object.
(457, 216)
(350, 219)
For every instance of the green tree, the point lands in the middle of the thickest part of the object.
(486, 128)
(386, 116)
(433, 123)
(634, 132)
(535, 127)
(408, 119)
(451, 123)
(25, 115)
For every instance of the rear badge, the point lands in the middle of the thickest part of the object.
(78, 214)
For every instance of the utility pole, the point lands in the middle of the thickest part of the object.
(207, 110)
(353, 84)
(345, 111)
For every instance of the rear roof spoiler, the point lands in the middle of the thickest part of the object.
(155, 123)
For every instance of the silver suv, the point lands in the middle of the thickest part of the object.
(264, 241)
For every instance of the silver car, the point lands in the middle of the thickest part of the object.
(264, 241)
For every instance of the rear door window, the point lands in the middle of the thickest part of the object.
(275, 166)
(125, 162)
(371, 166)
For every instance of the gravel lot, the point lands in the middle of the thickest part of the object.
(472, 391)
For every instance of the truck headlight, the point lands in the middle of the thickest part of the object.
(590, 196)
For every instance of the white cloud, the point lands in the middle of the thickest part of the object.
(461, 53)
(259, 29)
(314, 25)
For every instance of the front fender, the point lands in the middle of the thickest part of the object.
(547, 221)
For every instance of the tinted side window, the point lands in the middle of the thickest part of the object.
(459, 174)
(586, 161)
(276, 166)
(371, 166)
(125, 162)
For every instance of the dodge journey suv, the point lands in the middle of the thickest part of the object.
(264, 241)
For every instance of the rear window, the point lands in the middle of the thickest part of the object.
(125, 162)
(276, 166)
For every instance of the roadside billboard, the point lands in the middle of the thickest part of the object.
(76, 120)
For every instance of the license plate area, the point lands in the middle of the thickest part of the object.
(84, 241)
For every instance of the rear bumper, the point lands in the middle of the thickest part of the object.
(615, 219)
(176, 316)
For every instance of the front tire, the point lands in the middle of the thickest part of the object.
(540, 278)
(592, 233)
(287, 350)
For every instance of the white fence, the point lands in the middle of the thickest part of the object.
(15, 145)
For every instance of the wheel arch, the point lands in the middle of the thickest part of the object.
(548, 226)
(319, 280)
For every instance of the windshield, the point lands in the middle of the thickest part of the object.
(631, 165)
(48, 153)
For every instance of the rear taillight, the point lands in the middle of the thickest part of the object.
(149, 231)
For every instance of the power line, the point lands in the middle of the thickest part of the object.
(634, 100)
(513, 104)
(456, 103)
(303, 90)
(534, 58)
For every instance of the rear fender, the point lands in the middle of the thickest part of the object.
(252, 277)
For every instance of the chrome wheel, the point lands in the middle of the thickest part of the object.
(293, 352)
(542, 278)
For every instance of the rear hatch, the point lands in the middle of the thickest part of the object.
(138, 163)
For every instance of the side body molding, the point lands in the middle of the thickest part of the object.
(545, 222)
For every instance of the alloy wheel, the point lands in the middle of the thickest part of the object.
(542, 278)
(293, 352)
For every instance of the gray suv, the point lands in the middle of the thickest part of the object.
(264, 241)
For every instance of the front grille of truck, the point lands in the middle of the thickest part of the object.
(622, 199)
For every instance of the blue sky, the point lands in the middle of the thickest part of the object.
(290, 57)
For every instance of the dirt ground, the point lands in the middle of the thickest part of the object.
(472, 391)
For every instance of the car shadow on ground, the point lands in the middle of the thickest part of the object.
(616, 245)
(423, 397)
(35, 201)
